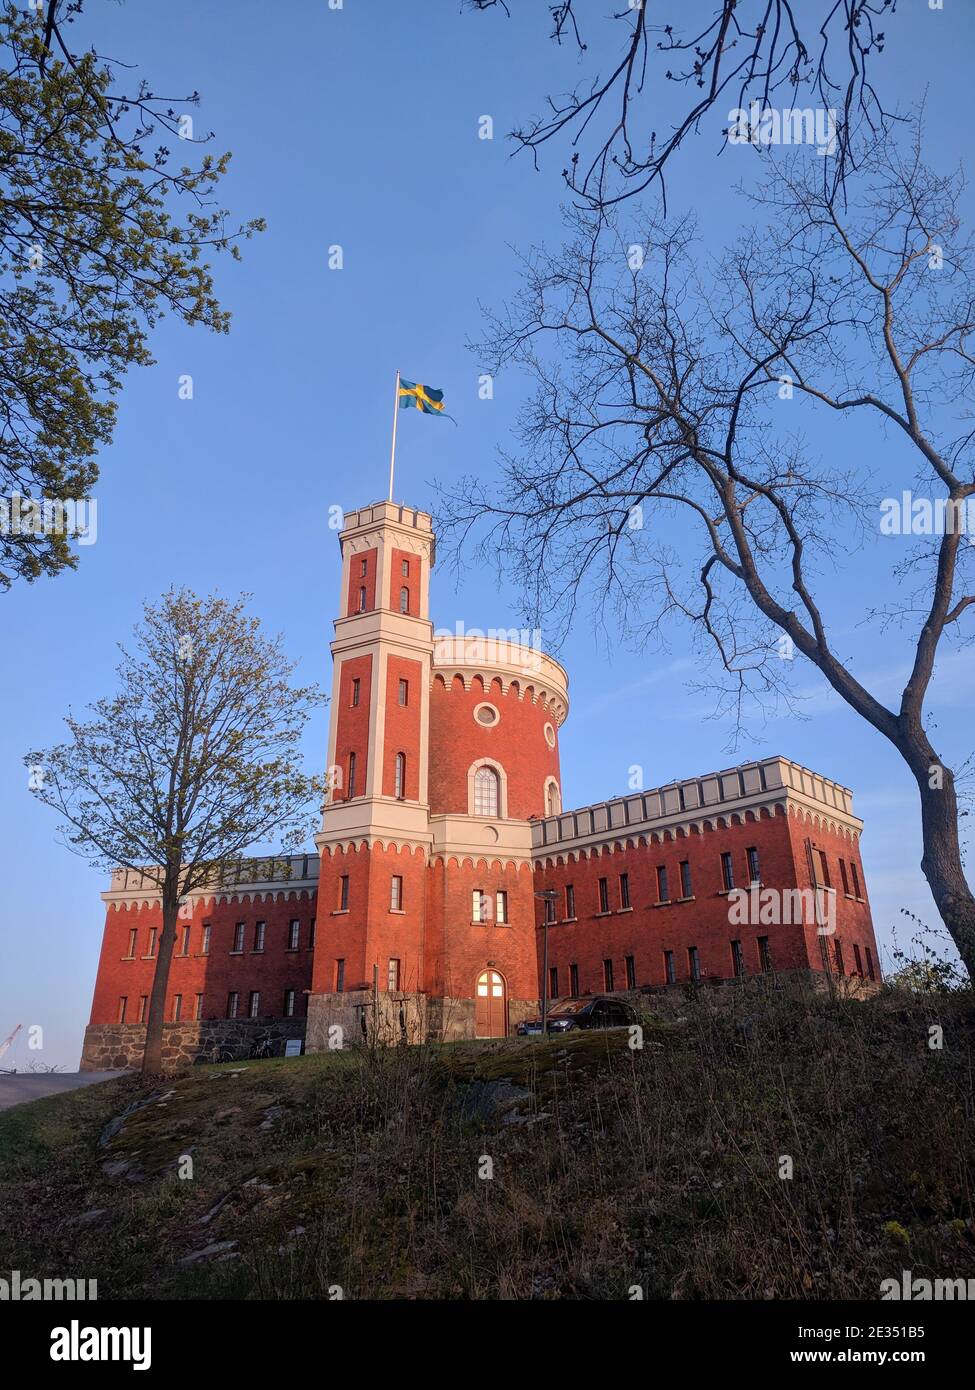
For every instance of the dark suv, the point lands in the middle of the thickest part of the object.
(597, 1011)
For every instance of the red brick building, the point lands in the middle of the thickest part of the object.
(422, 913)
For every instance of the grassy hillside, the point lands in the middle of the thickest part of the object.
(611, 1167)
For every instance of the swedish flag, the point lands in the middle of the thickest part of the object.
(425, 398)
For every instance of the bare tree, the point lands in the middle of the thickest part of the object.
(190, 764)
(664, 426)
(742, 51)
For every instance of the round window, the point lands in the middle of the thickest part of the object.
(549, 735)
(486, 714)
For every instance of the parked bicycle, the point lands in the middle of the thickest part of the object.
(263, 1046)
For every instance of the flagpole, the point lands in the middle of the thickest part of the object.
(392, 452)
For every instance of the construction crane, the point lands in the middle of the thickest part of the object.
(5, 1045)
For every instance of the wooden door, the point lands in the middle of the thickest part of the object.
(490, 1006)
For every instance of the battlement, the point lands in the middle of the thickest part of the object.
(695, 800)
(263, 874)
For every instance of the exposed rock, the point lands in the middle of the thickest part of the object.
(217, 1247)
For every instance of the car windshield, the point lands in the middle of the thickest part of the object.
(571, 1006)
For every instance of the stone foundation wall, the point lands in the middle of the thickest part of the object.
(114, 1046)
(359, 1018)
(399, 1018)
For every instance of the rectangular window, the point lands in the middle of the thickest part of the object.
(604, 895)
(727, 872)
(392, 976)
(856, 883)
(764, 954)
(198, 1011)
(479, 906)
(184, 949)
(123, 1004)
(233, 1001)
(143, 1007)
(259, 931)
(662, 894)
(857, 959)
(344, 893)
(339, 976)
(630, 973)
(549, 908)
(289, 1003)
(404, 692)
(355, 691)
(669, 972)
(685, 879)
(405, 569)
(869, 955)
(351, 776)
(574, 979)
(843, 876)
(254, 1003)
(294, 935)
(177, 1007)
(363, 568)
(311, 935)
(152, 941)
(238, 937)
(396, 893)
(501, 907)
(839, 957)
(570, 902)
(553, 982)
(607, 974)
(823, 868)
(624, 890)
(133, 941)
(753, 874)
(737, 959)
(694, 962)
(205, 943)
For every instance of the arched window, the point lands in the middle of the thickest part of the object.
(351, 791)
(487, 786)
(554, 801)
(362, 599)
(404, 600)
(400, 776)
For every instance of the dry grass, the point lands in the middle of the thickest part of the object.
(611, 1167)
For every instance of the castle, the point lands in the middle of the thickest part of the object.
(449, 877)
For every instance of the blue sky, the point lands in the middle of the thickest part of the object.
(359, 127)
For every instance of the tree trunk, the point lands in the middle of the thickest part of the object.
(152, 1056)
(941, 862)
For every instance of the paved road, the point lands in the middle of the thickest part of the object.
(31, 1085)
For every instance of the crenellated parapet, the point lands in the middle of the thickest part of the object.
(262, 877)
(696, 805)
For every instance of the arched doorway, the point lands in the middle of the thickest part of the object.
(490, 1006)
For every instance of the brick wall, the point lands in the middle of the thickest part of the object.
(215, 974)
(517, 742)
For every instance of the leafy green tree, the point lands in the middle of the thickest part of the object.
(100, 236)
(193, 761)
